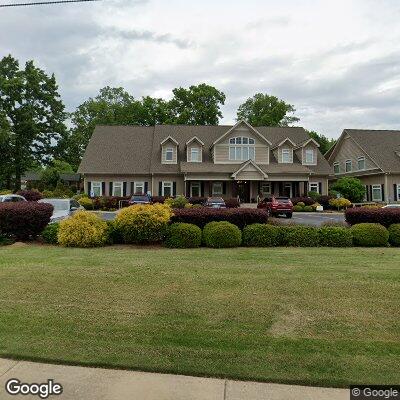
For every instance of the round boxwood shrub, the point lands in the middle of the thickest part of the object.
(394, 235)
(83, 229)
(370, 235)
(260, 235)
(302, 236)
(49, 234)
(301, 204)
(335, 236)
(144, 223)
(308, 209)
(182, 235)
(298, 208)
(220, 234)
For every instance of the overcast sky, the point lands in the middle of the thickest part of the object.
(337, 62)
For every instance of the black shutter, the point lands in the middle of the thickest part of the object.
(173, 188)
(370, 192)
(395, 192)
(146, 187)
(383, 192)
(103, 188)
(89, 187)
(124, 189)
(223, 187)
(110, 187)
(320, 187)
(160, 188)
(132, 188)
(202, 189)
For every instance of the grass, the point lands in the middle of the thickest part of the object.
(326, 317)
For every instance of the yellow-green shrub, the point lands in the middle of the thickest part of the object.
(339, 203)
(83, 229)
(86, 203)
(143, 223)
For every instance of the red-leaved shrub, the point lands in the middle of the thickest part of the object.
(232, 203)
(30, 195)
(158, 199)
(109, 202)
(383, 216)
(308, 201)
(197, 200)
(24, 220)
(237, 216)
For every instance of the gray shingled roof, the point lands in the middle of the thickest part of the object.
(137, 150)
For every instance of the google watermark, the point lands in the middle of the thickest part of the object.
(44, 390)
(373, 392)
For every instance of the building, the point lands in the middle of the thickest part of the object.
(228, 161)
(373, 156)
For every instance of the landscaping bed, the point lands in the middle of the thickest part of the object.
(315, 316)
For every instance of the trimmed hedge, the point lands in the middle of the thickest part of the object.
(394, 235)
(303, 199)
(158, 199)
(30, 195)
(301, 236)
(335, 236)
(370, 235)
(197, 200)
(232, 203)
(383, 216)
(182, 235)
(238, 216)
(50, 233)
(260, 235)
(24, 220)
(221, 234)
(106, 203)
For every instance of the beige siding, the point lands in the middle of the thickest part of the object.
(180, 186)
(117, 178)
(279, 153)
(164, 148)
(194, 146)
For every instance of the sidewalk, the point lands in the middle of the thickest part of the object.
(80, 383)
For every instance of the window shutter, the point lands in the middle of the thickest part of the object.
(223, 187)
(110, 188)
(173, 188)
(103, 188)
(202, 189)
(132, 188)
(89, 187)
(370, 192)
(160, 188)
(320, 187)
(383, 192)
(146, 187)
(124, 189)
(395, 192)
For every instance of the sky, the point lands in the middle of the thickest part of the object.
(337, 62)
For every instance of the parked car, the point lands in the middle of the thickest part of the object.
(140, 199)
(392, 206)
(215, 202)
(62, 208)
(11, 198)
(277, 206)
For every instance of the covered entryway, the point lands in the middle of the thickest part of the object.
(242, 190)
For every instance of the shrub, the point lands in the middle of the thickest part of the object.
(197, 200)
(182, 235)
(24, 220)
(350, 188)
(340, 203)
(50, 233)
(324, 201)
(5, 191)
(83, 229)
(334, 236)
(370, 235)
(5, 240)
(79, 196)
(113, 233)
(300, 204)
(339, 224)
(86, 203)
(221, 234)
(260, 235)
(108, 203)
(383, 216)
(308, 209)
(144, 223)
(30, 195)
(394, 235)
(302, 236)
(47, 194)
(158, 199)
(307, 201)
(314, 195)
(177, 202)
(232, 203)
(282, 238)
(298, 208)
(240, 217)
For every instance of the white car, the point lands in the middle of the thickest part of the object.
(63, 208)
(392, 206)
(11, 198)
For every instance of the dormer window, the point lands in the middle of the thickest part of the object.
(361, 163)
(241, 148)
(287, 156)
(309, 156)
(169, 154)
(195, 154)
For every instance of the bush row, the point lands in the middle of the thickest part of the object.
(383, 216)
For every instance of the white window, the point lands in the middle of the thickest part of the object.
(313, 187)
(398, 192)
(117, 189)
(241, 149)
(265, 188)
(217, 188)
(361, 163)
(336, 167)
(195, 154)
(97, 189)
(286, 156)
(138, 188)
(195, 189)
(167, 189)
(169, 154)
(376, 193)
(309, 156)
(349, 166)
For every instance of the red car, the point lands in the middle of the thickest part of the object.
(277, 206)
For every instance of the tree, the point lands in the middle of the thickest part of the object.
(324, 142)
(350, 188)
(31, 105)
(50, 176)
(5, 151)
(265, 110)
(198, 105)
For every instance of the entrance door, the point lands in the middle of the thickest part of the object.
(243, 191)
(287, 190)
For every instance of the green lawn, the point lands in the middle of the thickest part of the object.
(318, 316)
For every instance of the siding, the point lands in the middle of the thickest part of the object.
(174, 155)
(117, 178)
